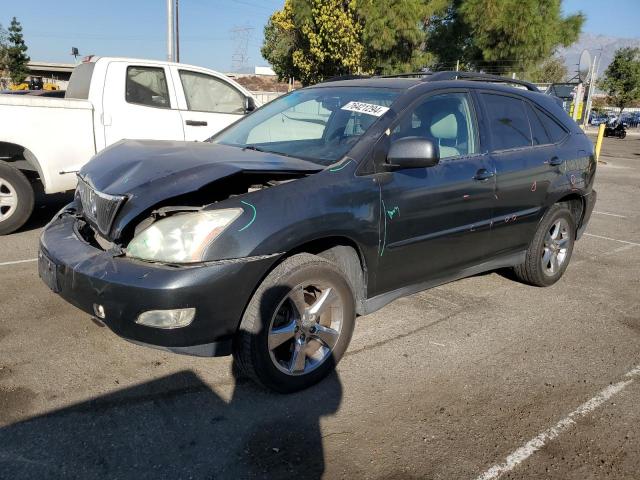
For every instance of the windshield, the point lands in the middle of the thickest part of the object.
(316, 124)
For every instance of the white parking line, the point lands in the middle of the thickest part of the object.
(18, 261)
(535, 444)
(610, 214)
(612, 239)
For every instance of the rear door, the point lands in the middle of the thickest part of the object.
(436, 221)
(207, 103)
(139, 102)
(527, 162)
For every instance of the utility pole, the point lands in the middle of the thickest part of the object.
(170, 53)
(177, 31)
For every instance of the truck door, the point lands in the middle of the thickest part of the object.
(207, 103)
(139, 102)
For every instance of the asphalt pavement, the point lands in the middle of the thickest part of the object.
(480, 378)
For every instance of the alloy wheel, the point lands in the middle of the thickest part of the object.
(305, 328)
(556, 246)
(8, 199)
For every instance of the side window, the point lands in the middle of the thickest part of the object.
(538, 133)
(555, 131)
(508, 121)
(445, 119)
(147, 86)
(205, 93)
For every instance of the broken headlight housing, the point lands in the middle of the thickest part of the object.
(182, 237)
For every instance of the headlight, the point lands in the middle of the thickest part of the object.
(183, 237)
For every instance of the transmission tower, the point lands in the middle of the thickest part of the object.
(240, 36)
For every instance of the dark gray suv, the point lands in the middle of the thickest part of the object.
(327, 203)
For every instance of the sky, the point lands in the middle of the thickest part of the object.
(137, 28)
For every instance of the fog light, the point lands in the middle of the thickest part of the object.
(98, 310)
(167, 318)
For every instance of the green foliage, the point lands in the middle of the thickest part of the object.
(500, 36)
(552, 70)
(315, 39)
(3, 50)
(621, 80)
(394, 33)
(312, 40)
(16, 53)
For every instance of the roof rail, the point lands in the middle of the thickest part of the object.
(480, 77)
(337, 78)
(405, 75)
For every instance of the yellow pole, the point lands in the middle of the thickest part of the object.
(599, 141)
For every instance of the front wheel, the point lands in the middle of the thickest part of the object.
(550, 250)
(622, 134)
(16, 199)
(297, 325)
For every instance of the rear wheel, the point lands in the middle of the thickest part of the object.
(16, 199)
(550, 250)
(297, 325)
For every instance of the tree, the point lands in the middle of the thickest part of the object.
(552, 70)
(16, 56)
(394, 33)
(500, 36)
(621, 80)
(3, 51)
(313, 39)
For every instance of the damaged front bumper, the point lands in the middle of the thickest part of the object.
(122, 288)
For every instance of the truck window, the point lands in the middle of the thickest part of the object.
(205, 93)
(508, 122)
(80, 81)
(147, 86)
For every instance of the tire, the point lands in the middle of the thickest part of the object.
(16, 199)
(554, 239)
(274, 333)
(622, 135)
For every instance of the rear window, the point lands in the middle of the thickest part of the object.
(80, 81)
(147, 86)
(508, 122)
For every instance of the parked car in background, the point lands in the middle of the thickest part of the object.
(47, 140)
(326, 203)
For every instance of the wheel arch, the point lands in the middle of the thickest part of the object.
(576, 204)
(23, 159)
(347, 255)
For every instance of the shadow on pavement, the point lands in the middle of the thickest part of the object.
(46, 206)
(175, 427)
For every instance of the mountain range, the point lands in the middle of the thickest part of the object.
(602, 46)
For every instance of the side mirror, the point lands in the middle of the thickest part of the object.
(249, 104)
(412, 152)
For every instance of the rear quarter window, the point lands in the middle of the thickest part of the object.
(554, 130)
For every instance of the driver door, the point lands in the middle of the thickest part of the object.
(436, 221)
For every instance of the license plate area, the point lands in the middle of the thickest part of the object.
(48, 271)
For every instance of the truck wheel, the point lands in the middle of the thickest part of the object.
(297, 325)
(550, 250)
(16, 199)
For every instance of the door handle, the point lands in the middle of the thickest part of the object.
(555, 161)
(196, 123)
(483, 174)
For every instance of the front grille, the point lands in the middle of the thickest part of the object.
(98, 208)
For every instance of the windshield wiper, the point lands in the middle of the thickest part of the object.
(254, 148)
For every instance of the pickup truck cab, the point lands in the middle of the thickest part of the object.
(47, 140)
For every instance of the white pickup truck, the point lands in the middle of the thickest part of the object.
(47, 140)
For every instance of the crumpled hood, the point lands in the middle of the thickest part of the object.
(148, 171)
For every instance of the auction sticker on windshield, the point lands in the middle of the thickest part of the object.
(368, 108)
